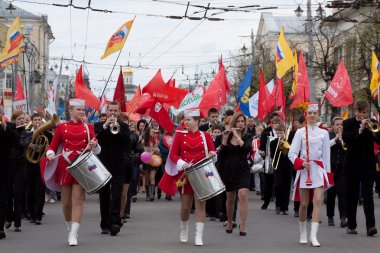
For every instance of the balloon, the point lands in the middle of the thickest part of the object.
(156, 161)
(146, 157)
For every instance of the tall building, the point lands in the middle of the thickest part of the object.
(35, 60)
(130, 88)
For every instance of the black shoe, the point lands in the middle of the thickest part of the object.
(277, 210)
(371, 231)
(242, 233)
(229, 231)
(32, 220)
(134, 198)
(105, 231)
(296, 214)
(8, 224)
(114, 230)
(285, 212)
(352, 231)
(331, 221)
(264, 206)
(17, 229)
(343, 222)
(38, 222)
(168, 198)
(2, 235)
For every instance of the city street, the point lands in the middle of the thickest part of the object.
(154, 227)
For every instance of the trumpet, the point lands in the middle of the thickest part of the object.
(372, 126)
(344, 146)
(115, 127)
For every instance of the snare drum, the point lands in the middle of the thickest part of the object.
(205, 180)
(90, 173)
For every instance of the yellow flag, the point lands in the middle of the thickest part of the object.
(14, 44)
(345, 114)
(118, 39)
(375, 68)
(284, 56)
(295, 75)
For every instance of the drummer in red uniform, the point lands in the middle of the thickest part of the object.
(188, 148)
(71, 139)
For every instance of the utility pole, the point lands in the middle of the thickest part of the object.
(252, 45)
(310, 52)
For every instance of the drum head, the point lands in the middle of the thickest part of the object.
(80, 158)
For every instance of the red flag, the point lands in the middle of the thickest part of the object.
(302, 85)
(171, 82)
(82, 92)
(145, 103)
(225, 80)
(278, 96)
(158, 112)
(19, 93)
(119, 95)
(164, 93)
(265, 101)
(131, 105)
(215, 95)
(340, 93)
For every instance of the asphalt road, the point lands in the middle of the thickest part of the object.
(154, 227)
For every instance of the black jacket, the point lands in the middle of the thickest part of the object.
(18, 148)
(205, 127)
(264, 138)
(337, 155)
(284, 165)
(360, 156)
(8, 138)
(114, 146)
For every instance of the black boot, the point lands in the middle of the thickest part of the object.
(147, 192)
(151, 191)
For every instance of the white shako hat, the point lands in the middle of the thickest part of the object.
(192, 113)
(313, 106)
(76, 102)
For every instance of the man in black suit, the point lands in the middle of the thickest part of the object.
(7, 138)
(213, 116)
(360, 166)
(114, 147)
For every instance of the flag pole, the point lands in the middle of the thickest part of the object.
(134, 106)
(26, 86)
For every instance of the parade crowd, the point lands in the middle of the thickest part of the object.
(307, 161)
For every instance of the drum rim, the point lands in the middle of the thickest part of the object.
(212, 194)
(85, 154)
(100, 186)
(205, 161)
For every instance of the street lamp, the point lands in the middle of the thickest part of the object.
(244, 49)
(10, 8)
(298, 11)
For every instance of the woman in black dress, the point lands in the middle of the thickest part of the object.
(235, 172)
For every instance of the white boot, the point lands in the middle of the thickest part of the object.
(73, 235)
(313, 234)
(183, 237)
(68, 224)
(199, 233)
(303, 232)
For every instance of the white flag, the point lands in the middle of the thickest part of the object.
(254, 100)
(192, 100)
(52, 95)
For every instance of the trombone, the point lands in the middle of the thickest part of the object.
(283, 146)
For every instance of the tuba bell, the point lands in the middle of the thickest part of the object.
(34, 155)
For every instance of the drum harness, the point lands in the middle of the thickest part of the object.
(183, 180)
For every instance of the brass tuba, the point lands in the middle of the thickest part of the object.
(34, 155)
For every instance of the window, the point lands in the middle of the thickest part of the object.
(8, 81)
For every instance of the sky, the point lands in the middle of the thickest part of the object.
(181, 48)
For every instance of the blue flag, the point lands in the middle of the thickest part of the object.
(243, 94)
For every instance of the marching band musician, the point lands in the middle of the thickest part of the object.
(235, 171)
(18, 173)
(188, 148)
(36, 188)
(282, 174)
(360, 166)
(71, 139)
(339, 189)
(114, 146)
(268, 177)
(313, 163)
(7, 138)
